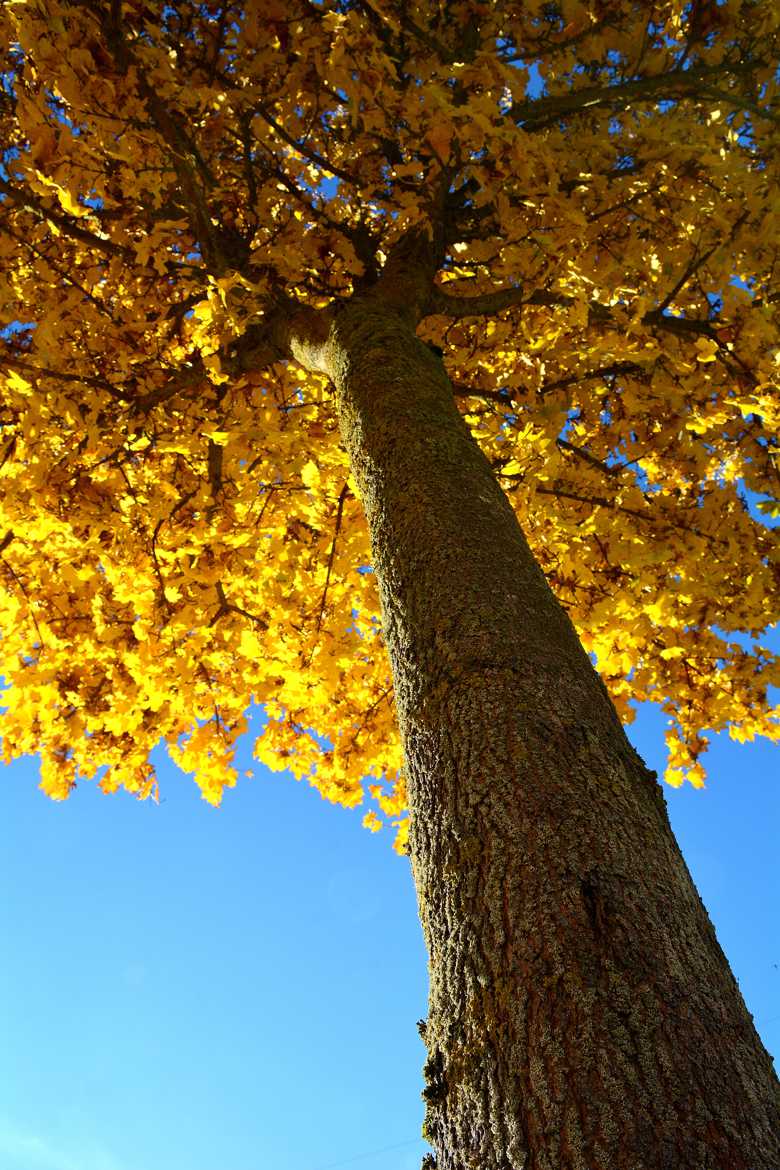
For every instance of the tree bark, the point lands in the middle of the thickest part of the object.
(582, 1015)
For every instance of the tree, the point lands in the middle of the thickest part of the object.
(280, 276)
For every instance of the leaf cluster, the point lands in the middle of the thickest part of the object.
(180, 534)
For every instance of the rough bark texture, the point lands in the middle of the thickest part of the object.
(582, 1014)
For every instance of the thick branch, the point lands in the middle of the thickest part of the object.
(288, 330)
(486, 304)
(65, 223)
(676, 84)
(185, 378)
(663, 521)
(507, 395)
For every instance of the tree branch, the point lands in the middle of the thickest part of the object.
(189, 375)
(502, 397)
(608, 371)
(217, 245)
(586, 457)
(67, 225)
(486, 304)
(678, 83)
(318, 160)
(226, 606)
(339, 513)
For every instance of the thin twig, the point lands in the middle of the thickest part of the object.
(339, 512)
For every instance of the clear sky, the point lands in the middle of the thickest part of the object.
(183, 988)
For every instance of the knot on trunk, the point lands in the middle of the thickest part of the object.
(435, 1081)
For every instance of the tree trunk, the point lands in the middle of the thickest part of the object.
(582, 1015)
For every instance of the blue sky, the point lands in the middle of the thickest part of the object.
(184, 988)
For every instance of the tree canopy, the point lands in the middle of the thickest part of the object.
(179, 529)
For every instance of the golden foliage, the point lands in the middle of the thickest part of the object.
(178, 533)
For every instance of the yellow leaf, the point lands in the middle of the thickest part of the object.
(707, 349)
(310, 474)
